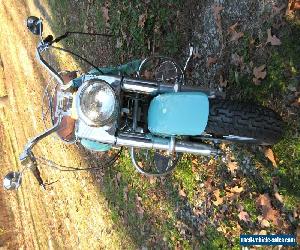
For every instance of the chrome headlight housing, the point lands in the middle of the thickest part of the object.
(97, 104)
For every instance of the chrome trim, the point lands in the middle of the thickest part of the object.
(191, 50)
(238, 138)
(140, 86)
(32, 142)
(52, 71)
(164, 144)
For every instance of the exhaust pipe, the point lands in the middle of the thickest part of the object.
(152, 142)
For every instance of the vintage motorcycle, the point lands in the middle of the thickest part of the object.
(158, 119)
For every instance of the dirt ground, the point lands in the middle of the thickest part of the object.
(73, 211)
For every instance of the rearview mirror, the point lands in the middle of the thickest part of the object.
(35, 25)
(12, 180)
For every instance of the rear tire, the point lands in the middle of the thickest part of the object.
(260, 124)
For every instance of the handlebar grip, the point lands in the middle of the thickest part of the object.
(37, 175)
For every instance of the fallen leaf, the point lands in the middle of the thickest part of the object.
(237, 60)
(256, 81)
(278, 197)
(259, 72)
(275, 41)
(268, 212)
(152, 180)
(244, 216)
(270, 155)
(196, 53)
(237, 189)
(265, 223)
(210, 61)
(208, 185)
(295, 6)
(223, 83)
(235, 35)
(219, 200)
(195, 161)
(263, 232)
(216, 12)
(232, 166)
(296, 103)
(119, 176)
(142, 20)
(182, 193)
(105, 15)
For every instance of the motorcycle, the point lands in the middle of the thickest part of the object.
(154, 114)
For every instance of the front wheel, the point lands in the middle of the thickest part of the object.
(243, 122)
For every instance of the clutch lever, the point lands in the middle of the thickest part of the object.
(29, 161)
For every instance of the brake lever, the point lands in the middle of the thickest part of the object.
(28, 160)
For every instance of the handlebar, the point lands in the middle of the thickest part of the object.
(42, 47)
(27, 157)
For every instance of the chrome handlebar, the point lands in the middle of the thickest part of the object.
(42, 47)
(28, 159)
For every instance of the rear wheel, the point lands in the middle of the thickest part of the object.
(244, 122)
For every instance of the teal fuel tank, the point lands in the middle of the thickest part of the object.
(181, 113)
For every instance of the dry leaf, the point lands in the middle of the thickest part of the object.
(140, 164)
(235, 36)
(210, 61)
(233, 27)
(152, 180)
(263, 232)
(216, 11)
(105, 15)
(270, 155)
(273, 39)
(259, 72)
(268, 212)
(232, 166)
(295, 6)
(182, 193)
(142, 20)
(265, 223)
(196, 53)
(256, 81)
(237, 189)
(222, 82)
(237, 60)
(244, 216)
(119, 177)
(219, 200)
(278, 197)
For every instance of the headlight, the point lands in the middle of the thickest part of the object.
(97, 104)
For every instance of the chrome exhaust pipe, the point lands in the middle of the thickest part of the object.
(139, 141)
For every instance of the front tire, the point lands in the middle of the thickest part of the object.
(244, 122)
